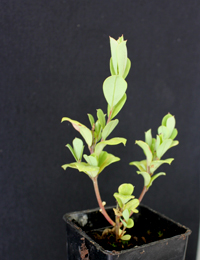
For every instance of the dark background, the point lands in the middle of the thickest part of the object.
(54, 57)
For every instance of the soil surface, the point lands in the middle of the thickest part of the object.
(138, 238)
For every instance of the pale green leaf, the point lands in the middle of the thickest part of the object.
(97, 131)
(75, 123)
(146, 176)
(101, 117)
(114, 87)
(112, 70)
(113, 47)
(91, 159)
(130, 223)
(155, 177)
(125, 215)
(114, 141)
(72, 151)
(86, 134)
(78, 147)
(157, 163)
(174, 134)
(148, 137)
(164, 131)
(126, 189)
(120, 39)
(91, 171)
(126, 237)
(117, 108)
(161, 150)
(91, 119)
(106, 159)
(170, 124)
(122, 57)
(123, 198)
(174, 143)
(164, 120)
(109, 128)
(142, 165)
(127, 69)
(132, 204)
(146, 150)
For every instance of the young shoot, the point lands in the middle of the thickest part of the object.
(96, 136)
(154, 149)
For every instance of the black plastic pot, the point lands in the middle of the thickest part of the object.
(172, 243)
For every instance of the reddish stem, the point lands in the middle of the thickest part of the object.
(143, 193)
(98, 196)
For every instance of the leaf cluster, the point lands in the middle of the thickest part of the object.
(114, 88)
(155, 148)
(126, 204)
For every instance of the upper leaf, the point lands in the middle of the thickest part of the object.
(78, 148)
(146, 149)
(109, 128)
(106, 159)
(114, 87)
(114, 141)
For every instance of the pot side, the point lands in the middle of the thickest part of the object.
(81, 246)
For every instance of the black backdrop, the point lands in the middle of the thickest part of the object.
(54, 59)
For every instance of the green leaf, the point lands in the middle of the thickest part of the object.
(118, 199)
(122, 57)
(117, 107)
(112, 70)
(164, 120)
(126, 237)
(142, 165)
(126, 189)
(97, 131)
(78, 148)
(114, 141)
(155, 177)
(164, 131)
(109, 128)
(101, 117)
(146, 176)
(91, 171)
(114, 87)
(75, 123)
(174, 134)
(174, 143)
(146, 150)
(170, 124)
(123, 198)
(125, 215)
(130, 223)
(161, 150)
(148, 137)
(132, 205)
(72, 151)
(91, 159)
(91, 119)
(127, 69)
(86, 134)
(155, 164)
(84, 131)
(106, 159)
(113, 47)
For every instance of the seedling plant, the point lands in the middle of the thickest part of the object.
(96, 138)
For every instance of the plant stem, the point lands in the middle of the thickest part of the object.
(143, 193)
(102, 209)
(117, 221)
